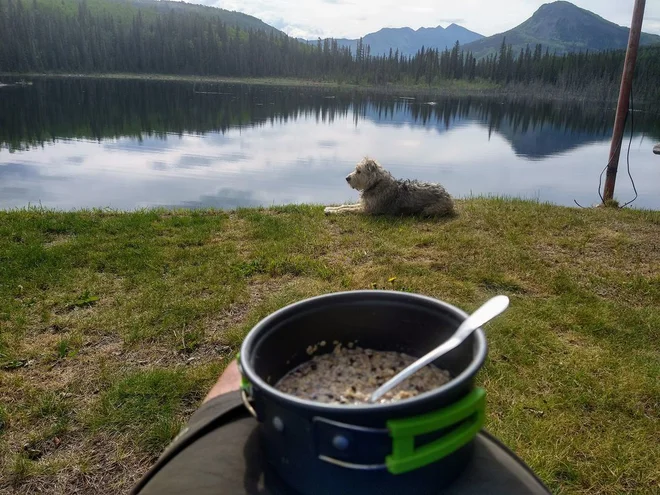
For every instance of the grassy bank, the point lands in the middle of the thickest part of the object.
(593, 92)
(113, 327)
(449, 87)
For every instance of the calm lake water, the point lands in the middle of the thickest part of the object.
(69, 144)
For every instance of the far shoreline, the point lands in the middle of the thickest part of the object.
(449, 88)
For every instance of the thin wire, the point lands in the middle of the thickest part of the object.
(630, 112)
(632, 128)
(600, 178)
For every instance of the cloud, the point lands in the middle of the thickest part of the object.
(14, 170)
(327, 143)
(189, 161)
(23, 184)
(302, 31)
(148, 145)
(652, 25)
(452, 20)
(192, 161)
(419, 10)
(225, 198)
(13, 193)
(25, 172)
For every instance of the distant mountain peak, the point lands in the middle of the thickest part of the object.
(393, 29)
(562, 27)
(562, 7)
(560, 4)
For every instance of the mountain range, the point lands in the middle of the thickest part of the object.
(559, 26)
(409, 41)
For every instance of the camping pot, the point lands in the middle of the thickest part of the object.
(413, 446)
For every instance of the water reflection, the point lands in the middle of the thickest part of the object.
(127, 144)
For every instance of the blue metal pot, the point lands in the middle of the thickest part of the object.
(415, 446)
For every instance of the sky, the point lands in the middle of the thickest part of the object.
(354, 18)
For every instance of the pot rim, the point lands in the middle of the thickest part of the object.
(456, 382)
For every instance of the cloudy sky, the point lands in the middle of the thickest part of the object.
(355, 18)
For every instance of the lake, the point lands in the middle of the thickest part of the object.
(122, 144)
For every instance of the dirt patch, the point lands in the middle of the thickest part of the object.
(236, 313)
(58, 240)
(574, 343)
(80, 466)
(629, 251)
(235, 230)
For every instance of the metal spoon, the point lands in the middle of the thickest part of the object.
(489, 310)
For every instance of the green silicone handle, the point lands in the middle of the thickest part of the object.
(467, 415)
(245, 383)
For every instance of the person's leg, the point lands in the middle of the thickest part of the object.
(229, 381)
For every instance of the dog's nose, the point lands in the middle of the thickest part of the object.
(348, 178)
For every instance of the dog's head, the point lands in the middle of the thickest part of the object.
(365, 175)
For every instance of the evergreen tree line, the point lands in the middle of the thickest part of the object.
(37, 37)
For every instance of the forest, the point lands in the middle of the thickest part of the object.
(70, 36)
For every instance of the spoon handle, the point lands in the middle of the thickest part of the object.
(486, 312)
(489, 310)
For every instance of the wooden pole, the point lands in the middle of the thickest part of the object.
(624, 97)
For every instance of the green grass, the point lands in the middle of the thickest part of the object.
(439, 88)
(114, 325)
(146, 405)
(448, 87)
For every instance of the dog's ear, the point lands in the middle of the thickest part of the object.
(370, 165)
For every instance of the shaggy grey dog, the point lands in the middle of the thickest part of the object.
(382, 194)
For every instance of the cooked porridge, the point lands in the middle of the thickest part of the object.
(350, 376)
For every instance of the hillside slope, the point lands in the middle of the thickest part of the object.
(127, 9)
(561, 27)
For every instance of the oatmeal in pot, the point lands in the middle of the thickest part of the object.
(350, 376)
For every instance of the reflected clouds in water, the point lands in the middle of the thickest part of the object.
(230, 153)
(225, 198)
